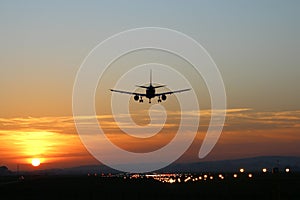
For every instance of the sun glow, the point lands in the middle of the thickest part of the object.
(35, 162)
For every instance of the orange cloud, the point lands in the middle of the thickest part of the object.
(246, 132)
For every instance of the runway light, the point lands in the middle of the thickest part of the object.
(187, 179)
(242, 170)
(287, 170)
(235, 175)
(172, 181)
(264, 170)
(250, 175)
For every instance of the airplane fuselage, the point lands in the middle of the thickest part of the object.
(150, 92)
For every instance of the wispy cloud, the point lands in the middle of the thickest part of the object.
(52, 124)
(236, 119)
(253, 120)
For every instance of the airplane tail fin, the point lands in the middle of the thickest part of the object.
(158, 86)
(150, 76)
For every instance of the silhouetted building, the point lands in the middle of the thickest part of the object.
(4, 171)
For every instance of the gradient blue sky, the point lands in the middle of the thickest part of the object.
(255, 44)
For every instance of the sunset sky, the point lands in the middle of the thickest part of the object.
(255, 44)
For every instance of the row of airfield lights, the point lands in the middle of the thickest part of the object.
(173, 178)
(287, 170)
(189, 178)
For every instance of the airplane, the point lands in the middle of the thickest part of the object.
(150, 92)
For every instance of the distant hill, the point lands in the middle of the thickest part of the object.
(250, 164)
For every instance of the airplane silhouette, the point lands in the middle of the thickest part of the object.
(150, 92)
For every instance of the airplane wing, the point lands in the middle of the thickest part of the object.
(125, 92)
(172, 92)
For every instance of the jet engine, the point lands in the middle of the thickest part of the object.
(136, 97)
(163, 97)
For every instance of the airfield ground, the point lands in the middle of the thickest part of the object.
(258, 186)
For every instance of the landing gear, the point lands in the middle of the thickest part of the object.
(159, 100)
(141, 99)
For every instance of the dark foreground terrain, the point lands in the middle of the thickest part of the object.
(279, 186)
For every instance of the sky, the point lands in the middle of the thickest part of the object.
(255, 44)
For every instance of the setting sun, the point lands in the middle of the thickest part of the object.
(35, 162)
